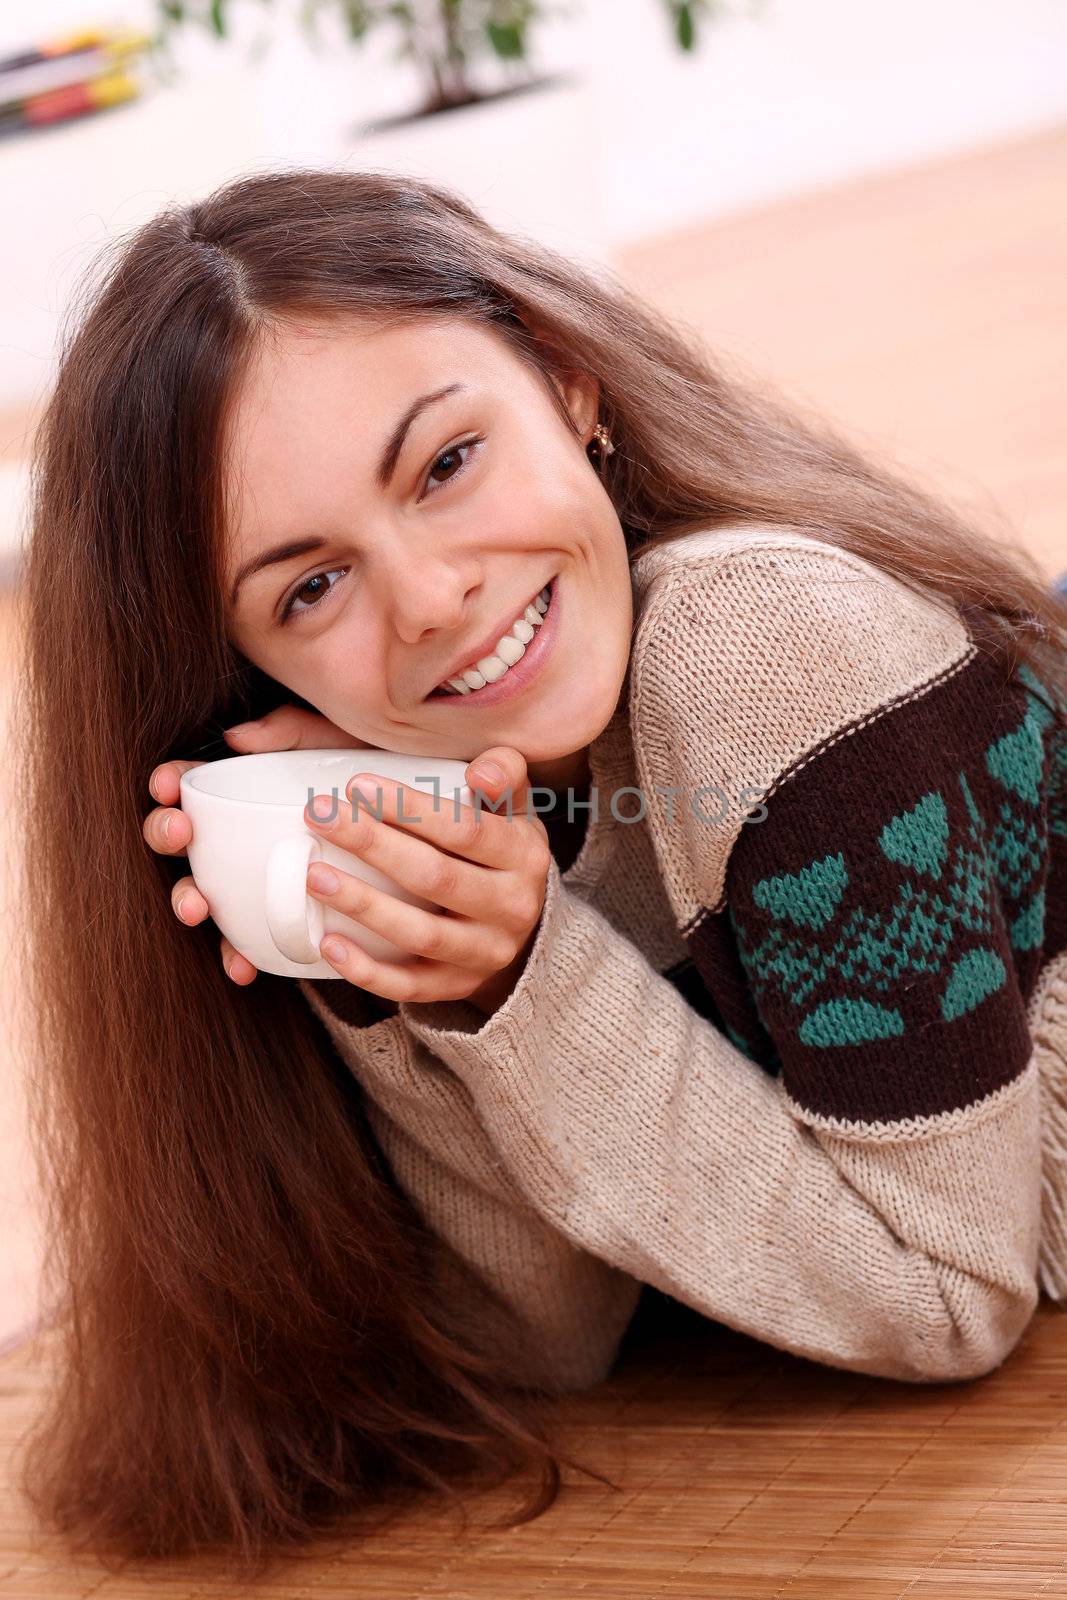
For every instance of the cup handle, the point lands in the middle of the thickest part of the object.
(296, 921)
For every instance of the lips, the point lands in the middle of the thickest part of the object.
(485, 649)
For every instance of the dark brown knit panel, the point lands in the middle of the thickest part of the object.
(713, 982)
(891, 914)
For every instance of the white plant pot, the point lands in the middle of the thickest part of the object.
(527, 160)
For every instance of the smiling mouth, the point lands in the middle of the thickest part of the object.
(494, 666)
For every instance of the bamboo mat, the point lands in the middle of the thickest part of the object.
(743, 1472)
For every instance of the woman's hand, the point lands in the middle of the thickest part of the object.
(487, 872)
(168, 830)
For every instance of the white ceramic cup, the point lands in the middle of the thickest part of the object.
(251, 848)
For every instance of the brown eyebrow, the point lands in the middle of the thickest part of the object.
(383, 477)
(395, 443)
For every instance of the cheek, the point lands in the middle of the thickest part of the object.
(339, 673)
(558, 505)
(508, 511)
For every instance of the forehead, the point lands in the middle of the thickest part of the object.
(318, 398)
(299, 370)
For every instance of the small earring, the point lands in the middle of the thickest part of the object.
(600, 443)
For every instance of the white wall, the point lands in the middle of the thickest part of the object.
(806, 92)
(793, 95)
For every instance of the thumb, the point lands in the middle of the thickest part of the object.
(290, 727)
(496, 771)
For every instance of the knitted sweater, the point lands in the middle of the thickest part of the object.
(790, 1043)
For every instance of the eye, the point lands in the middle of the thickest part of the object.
(447, 460)
(449, 457)
(290, 610)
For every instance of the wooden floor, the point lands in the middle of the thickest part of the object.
(927, 313)
(743, 1472)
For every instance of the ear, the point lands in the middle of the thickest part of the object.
(580, 392)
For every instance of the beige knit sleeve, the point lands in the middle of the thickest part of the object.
(565, 1310)
(900, 1244)
(635, 1128)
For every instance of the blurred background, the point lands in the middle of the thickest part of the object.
(866, 204)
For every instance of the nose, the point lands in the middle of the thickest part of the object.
(421, 596)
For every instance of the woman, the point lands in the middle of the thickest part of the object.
(319, 444)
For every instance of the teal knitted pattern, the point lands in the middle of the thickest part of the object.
(897, 890)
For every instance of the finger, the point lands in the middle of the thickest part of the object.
(501, 775)
(168, 830)
(164, 784)
(291, 727)
(477, 833)
(458, 940)
(413, 862)
(238, 968)
(497, 770)
(189, 904)
(417, 981)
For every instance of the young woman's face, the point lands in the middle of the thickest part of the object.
(377, 551)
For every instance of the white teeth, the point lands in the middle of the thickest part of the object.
(492, 668)
(509, 648)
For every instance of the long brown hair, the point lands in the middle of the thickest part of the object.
(246, 1351)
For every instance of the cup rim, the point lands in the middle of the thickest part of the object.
(190, 778)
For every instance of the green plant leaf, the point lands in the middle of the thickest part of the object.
(684, 27)
(507, 39)
(217, 17)
(358, 18)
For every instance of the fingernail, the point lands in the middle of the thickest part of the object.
(167, 820)
(240, 728)
(369, 788)
(152, 787)
(488, 772)
(178, 907)
(323, 809)
(323, 878)
(333, 949)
